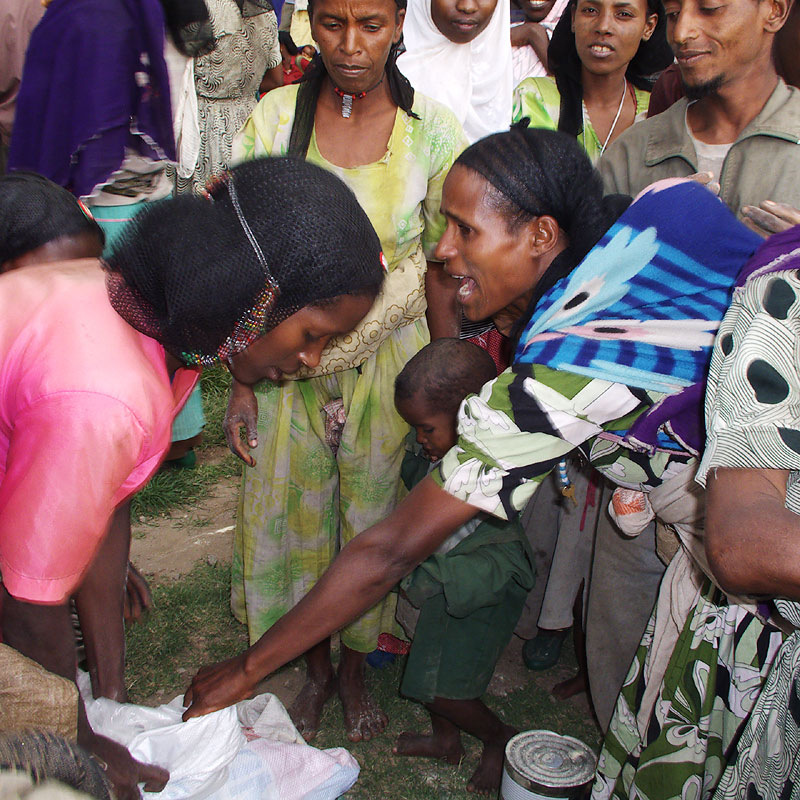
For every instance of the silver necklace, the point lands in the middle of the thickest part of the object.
(616, 118)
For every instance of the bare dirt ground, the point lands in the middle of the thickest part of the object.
(168, 547)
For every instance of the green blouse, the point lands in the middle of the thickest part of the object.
(539, 99)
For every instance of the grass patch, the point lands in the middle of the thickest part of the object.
(215, 383)
(189, 625)
(175, 488)
(385, 775)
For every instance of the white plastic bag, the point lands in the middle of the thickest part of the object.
(244, 752)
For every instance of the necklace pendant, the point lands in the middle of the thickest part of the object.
(347, 105)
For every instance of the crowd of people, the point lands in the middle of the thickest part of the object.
(508, 295)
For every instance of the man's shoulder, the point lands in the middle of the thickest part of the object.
(655, 148)
(781, 114)
(654, 129)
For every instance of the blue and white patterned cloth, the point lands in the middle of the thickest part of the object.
(644, 306)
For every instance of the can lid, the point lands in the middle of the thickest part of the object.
(547, 759)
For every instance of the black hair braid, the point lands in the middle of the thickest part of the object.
(305, 107)
(652, 57)
(310, 85)
(551, 176)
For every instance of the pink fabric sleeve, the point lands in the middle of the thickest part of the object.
(68, 457)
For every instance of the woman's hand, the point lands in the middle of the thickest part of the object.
(219, 686)
(123, 771)
(137, 595)
(770, 217)
(242, 413)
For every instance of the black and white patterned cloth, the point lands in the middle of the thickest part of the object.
(753, 418)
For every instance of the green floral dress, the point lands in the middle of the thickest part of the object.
(539, 100)
(302, 501)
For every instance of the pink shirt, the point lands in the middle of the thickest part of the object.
(86, 408)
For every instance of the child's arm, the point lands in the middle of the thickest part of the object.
(533, 35)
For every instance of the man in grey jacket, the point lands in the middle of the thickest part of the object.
(738, 121)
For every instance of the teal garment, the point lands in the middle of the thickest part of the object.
(470, 599)
(113, 220)
(190, 420)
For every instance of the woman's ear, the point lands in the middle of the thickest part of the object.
(546, 242)
(650, 27)
(544, 233)
(399, 18)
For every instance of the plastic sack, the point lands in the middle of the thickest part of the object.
(251, 750)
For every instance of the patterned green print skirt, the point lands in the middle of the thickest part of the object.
(713, 681)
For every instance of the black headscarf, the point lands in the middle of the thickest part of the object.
(189, 271)
(189, 25)
(35, 211)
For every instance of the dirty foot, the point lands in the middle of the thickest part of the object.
(307, 707)
(486, 779)
(428, 746)
(363, 717)
(570, 687)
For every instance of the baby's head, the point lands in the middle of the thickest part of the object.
(461, 21)
(431, 386)
(41, 222)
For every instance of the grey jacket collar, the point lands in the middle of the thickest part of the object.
(779, 118)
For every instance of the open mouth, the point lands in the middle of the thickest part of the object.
(601, 50)
(466, 288)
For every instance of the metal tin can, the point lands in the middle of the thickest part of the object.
(543, 765)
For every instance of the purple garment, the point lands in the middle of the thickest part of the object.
(775, 255)
(95, 82)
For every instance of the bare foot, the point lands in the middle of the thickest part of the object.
(307, 707)
(486, 779)
(363, 717)
(570, 687)
(428, 746)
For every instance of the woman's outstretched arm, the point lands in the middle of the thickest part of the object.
(366, 569)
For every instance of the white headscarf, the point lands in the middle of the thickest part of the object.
(474, 80)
